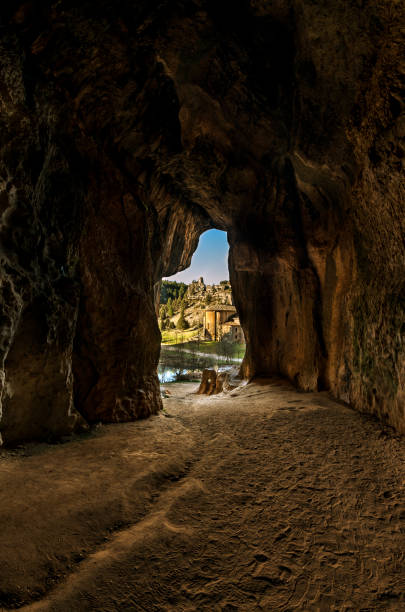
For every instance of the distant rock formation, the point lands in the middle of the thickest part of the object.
(199, 292)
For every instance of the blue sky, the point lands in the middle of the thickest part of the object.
(210, 260)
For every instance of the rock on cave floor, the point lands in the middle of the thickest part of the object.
(266, 499)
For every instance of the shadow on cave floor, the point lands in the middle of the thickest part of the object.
(262, 499)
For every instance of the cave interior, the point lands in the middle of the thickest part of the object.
(128, 131)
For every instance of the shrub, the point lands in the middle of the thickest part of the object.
(182, 322)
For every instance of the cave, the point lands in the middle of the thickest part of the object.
(127, 131)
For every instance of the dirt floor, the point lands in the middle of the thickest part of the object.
(265, 499)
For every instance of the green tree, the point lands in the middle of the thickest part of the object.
(171, 289)
(182, 322)
(208, 298)
(169, 307)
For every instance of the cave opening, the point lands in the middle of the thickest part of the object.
(263, 121)
(199, 323)
(129, 132)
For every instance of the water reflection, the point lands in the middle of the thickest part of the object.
(186, 361)
(167, 375)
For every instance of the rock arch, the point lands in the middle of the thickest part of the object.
(127, 132)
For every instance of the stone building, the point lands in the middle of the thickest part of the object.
(235, 330)
(221, 319)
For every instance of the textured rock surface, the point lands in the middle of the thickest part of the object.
(126, 132)
(208, 382)
(213, 382)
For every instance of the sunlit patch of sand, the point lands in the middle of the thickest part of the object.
(261, 499)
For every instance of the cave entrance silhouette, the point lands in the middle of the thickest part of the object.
(277, 122)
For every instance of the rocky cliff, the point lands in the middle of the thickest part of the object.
(128, 130)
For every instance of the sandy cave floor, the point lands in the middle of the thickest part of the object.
(265, 499)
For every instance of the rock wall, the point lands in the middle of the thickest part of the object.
(41, 193)
(126, 132)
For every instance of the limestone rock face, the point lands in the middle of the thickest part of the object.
(128, 129)
(214, 383)
(208, 383)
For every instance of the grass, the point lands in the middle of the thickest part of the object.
(187, 339)
(176, 336)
